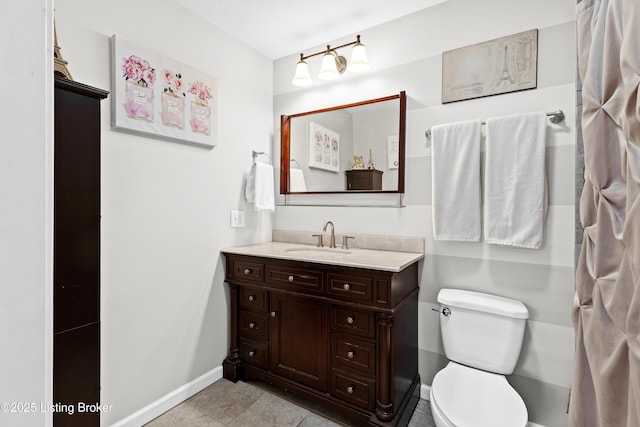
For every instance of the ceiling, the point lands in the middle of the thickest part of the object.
(278, 28)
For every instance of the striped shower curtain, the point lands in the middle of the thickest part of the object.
(606, 379)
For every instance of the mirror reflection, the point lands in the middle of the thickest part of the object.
(351, 148)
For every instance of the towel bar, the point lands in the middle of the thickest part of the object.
(554, 117)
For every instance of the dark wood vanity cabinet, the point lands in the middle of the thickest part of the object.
(344, 337)
(365, 179)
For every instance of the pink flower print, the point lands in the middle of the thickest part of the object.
(132, 70)
(138, 70)
(174, 83)
(149, 76)
(168, 76)
(201, 92)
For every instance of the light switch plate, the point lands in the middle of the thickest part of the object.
(237, 219)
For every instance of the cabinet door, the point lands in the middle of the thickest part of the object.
(76, 256)
(299, 339)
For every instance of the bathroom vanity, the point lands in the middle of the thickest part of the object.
(338, 327)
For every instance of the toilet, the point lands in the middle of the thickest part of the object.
(482, 337)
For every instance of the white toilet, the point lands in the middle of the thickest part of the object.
(482, 336)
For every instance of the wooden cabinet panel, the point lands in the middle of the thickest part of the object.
(352, 353)
(299, 339)
(255, 352)
(253, 324)
(76, 272)
(295, 278)
(248, 270)
(253, 299)
(76, 374)
(365, 179)
(360, 391)
(350, 320)
(350, 287)
(76, 252)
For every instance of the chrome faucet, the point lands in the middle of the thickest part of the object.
(332, 243)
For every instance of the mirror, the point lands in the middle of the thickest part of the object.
(353, 148)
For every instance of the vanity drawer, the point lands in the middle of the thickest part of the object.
(254, 353)
(248, 270)
(254, 299)
(356, 390)
(350, 352)
(346, 319)
(299, 279)
(252, 324)
(351, 288)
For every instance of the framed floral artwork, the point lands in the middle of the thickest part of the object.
(157, 96)
(324, 148)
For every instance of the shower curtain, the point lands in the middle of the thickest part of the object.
(606, 380)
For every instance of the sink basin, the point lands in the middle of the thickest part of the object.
(317, 251)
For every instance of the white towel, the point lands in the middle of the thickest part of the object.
(296, 181)
(515, 196)
(259, 188)
(455, 181)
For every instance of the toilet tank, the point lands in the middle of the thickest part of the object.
(481, 330)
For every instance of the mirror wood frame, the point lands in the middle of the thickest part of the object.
(285, 144)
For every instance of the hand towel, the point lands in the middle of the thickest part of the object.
(515, 196)
(296, 181)
(455, 181)
(259, 188)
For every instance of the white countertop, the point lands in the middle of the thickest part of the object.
(375, 259)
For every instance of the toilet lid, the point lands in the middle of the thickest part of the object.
(471, 397)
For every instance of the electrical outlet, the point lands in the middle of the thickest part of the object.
(237, 219)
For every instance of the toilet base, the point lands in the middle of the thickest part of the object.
(438, 418)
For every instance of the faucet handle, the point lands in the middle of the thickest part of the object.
(345, 241)
(319, 236)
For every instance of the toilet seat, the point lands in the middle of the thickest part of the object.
(471, 397)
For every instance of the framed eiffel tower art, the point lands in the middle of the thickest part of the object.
(498, 66)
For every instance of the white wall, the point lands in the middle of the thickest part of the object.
(165, 205)
(406, 55)
(26, 210)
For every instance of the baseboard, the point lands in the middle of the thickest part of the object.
(425, 392)
(168, 401)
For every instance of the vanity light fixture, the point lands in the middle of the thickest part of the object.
(333, 65)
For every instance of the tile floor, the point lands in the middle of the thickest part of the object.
(247, 404)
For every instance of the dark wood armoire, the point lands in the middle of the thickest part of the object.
(76, 256)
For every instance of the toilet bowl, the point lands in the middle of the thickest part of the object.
(466, 397)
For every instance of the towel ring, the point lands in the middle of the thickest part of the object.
(257, 153)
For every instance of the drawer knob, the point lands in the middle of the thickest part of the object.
(351, 389)
(252, 325)
(274, 313)
(350, 320)
(252, 353)
(291, 278)
(351, 354)
(252, 298)
(247, 271)
(346, 286)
